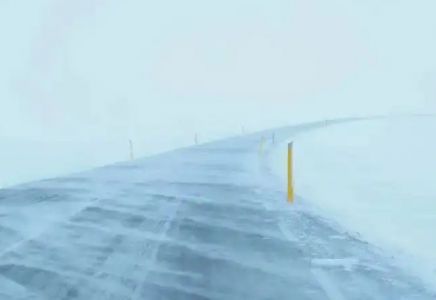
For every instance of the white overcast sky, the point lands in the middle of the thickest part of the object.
(102, 69)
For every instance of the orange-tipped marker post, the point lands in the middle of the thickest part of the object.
(290, 174)
(261, 145)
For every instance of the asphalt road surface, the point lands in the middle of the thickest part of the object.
(206, 222)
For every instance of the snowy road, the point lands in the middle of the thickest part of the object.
(199, 223)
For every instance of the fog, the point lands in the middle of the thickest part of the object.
(88, 69)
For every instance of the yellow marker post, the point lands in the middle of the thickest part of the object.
(131, 150)
(290, 179)
(262, 141)
(196, 139)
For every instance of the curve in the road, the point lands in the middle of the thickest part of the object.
(197, 223)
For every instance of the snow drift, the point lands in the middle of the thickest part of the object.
(376, 178)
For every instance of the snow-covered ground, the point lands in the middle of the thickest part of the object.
(202, 222)
(78, 79)
(23, 161)
(377, 178)
(157, 72)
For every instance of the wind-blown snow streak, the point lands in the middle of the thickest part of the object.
(190, 224)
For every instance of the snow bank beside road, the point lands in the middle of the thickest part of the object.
(377, 178)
